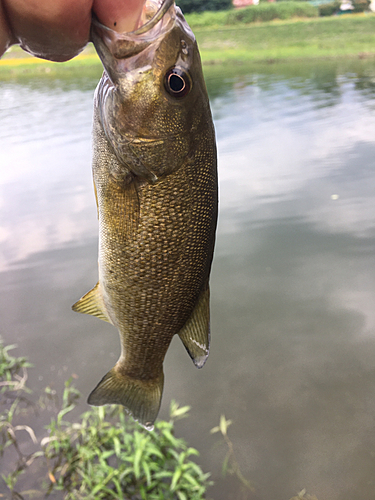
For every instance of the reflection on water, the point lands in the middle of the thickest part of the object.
(293, 284)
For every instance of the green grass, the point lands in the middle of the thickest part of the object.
(102, 455)
(274, 41)
(18, 65)
(265, 11)
(349, 35)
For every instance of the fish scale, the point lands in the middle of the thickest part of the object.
(154, 171)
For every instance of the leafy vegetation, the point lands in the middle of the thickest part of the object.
(328, 9)
(102, 456)
(188, 6)
(105, 455)
(331, 8)
(361, 5)
(269, 11)
(230, 463)
(287, 1)
(207, 19)
(255, 13)
(13, 391)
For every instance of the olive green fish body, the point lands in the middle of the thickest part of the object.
(154, 169)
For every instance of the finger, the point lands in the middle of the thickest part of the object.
(56, 30)
(121, 16)
(6, 37)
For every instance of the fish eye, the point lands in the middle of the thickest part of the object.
(177, 83)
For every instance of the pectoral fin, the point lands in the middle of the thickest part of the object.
(195, 334)
(92, 303)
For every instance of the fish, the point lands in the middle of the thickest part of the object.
(155, 180)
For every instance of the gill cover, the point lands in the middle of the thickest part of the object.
(147, 93)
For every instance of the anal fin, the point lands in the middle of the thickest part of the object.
(92, 303)
(195, 334)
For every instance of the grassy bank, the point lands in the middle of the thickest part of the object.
(295, 39)
(18, 65)
(265, 11)
(331, 37)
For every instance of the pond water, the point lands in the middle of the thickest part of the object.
(292, 362)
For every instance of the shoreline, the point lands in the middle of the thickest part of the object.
(28, 64)
(290, 41)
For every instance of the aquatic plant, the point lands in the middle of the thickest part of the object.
(231, 465)
(302, 495)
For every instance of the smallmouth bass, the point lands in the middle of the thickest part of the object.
(155, 180)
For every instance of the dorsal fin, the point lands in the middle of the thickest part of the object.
(92, 303)
(195, 334)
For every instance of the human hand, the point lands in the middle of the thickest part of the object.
(59, 29)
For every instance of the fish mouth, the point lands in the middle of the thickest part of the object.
(154, 11)
(112, 46)
(163, 8)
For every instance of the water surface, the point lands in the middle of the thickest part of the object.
(293, 283)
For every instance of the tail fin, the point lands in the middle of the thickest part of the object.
(141, 398)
